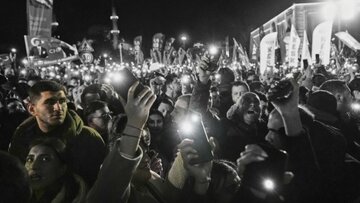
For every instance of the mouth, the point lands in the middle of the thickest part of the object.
(251, 112)
(35, 177)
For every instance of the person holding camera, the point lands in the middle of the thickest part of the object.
(316, 152)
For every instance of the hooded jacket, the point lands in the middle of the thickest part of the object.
(85, 146)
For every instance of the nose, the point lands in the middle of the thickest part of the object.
(269, 137)
(57, 106)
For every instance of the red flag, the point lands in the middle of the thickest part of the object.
(39, 14)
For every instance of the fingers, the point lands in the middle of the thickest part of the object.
(131, 90)
(252, 153)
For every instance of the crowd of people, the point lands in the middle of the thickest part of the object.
(191, 133)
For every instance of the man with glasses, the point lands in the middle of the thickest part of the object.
(97, 116)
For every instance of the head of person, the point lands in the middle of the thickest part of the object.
(238, 88)
(46, 163)
(155, 121)
(91, 93)
(74, 81)
(172, 86)
(48, 104)
(318, 79)
(15, 184)
(225, 181)
(33, 79)
(354, 86)
(166, 106)
(342, 94)
(214, 97)
(257, 86)
(15, 106)
(97, 116)
(248, 108)
(276, 133)
(181, 108)
(157, 83)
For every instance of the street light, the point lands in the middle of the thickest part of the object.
(183, 39)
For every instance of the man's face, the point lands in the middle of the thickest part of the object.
(50, 109)
(74, 82)
(274, 125)
(43, 166)
(155, 122)
(237, 91)
(165, 109)
(99, 119)
(250, 106)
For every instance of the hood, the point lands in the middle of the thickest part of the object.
(72, 125)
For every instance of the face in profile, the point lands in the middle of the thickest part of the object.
(44, 167)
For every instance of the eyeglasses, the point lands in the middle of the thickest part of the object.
(104, 115)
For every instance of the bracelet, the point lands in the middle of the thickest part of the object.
(133, 136)
(134, 127)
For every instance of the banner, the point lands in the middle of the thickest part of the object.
(39, 17)
(242, 55)
(267, 51)
(348, 40)
(305, 53)
(47, 50)
(321, 42)
(294, 47)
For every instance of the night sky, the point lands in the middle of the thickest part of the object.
(201, 20)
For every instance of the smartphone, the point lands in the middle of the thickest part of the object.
(317, 58)
(193, 128)
(306, 64)
(127, 79)
(268, 175)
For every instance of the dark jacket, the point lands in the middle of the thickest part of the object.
(85, 146)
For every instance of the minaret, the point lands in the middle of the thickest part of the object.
(115, 31)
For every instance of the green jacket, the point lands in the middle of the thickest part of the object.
(85, 146)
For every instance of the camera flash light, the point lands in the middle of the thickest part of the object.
(186, 127)
(213, 50)
(269, 184)
(355, 106)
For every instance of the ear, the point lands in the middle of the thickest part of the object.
(31, 109)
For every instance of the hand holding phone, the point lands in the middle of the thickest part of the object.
(193, 128)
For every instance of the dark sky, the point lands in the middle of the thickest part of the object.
(202, 20)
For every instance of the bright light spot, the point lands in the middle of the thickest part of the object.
(217, 76)
(195, 118)
(25, 61)
(185, 79)
(13, 50)
(76, 73)
(23, 71)
(105, 55)
(213, 50)
(183, 38)
(107, 80)
(52, 74)
(355, 106)
(58, 76)
(333, 72)
(65, 76)
(269, 184)
(87, 77)
(117, 77)
(186, 127)
(329, 11)
(347, 9)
